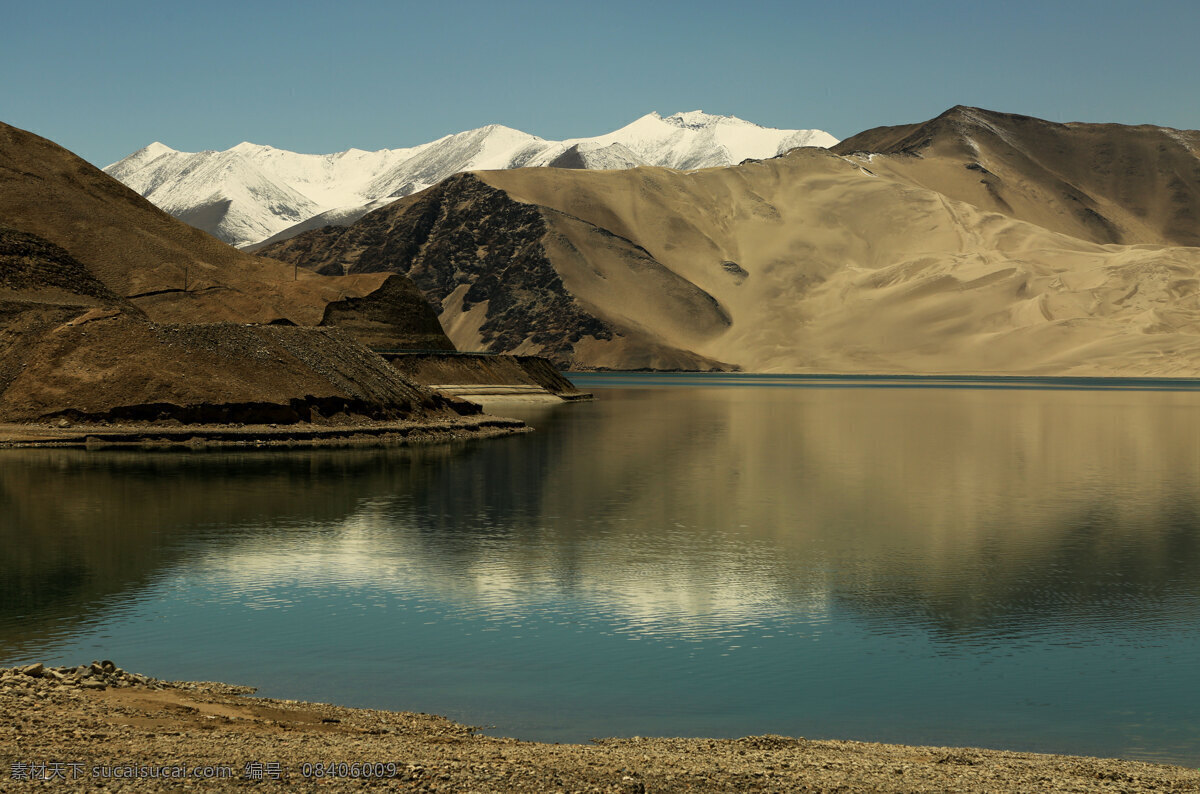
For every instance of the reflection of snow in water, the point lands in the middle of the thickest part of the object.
(676, 584)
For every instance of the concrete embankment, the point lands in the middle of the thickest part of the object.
(486, 375)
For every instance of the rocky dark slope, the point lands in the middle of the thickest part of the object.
(483, 258)
(1106, 183)
(38, 271)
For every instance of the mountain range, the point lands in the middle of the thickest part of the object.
(975, 242)
(251, 193)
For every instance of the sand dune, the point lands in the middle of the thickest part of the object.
(1107, 183)
(823, 265)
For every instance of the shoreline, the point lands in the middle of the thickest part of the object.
(96, 725)
(300, 435)
(926, 380)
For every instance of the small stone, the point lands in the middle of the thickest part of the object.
(92, 683)
(108, 666)
(34, 670)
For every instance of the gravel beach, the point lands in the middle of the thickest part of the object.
(96, 727)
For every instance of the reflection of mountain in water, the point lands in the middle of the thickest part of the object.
(81, 529)
(970, 512)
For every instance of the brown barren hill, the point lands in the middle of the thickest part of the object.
(808, 262)
(176, 273)
(89, 333)
(118, 368)
(1106, 183)
(42, 287)
(72, 349)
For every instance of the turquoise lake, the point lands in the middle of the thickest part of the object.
(1010, 564)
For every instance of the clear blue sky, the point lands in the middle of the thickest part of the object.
(106, 78)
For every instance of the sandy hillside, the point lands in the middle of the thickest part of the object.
(823, 265)
(1107, 183)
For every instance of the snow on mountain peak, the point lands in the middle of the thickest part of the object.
(138, 159)
(696, 119)
(247, 147)
(264, 191)
(156, 148)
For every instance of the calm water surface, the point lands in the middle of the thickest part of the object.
(1004, 565)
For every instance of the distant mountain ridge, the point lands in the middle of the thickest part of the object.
(974, 243)
(252, 194)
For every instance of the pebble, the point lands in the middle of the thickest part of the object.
(46, 716)
(96, 676)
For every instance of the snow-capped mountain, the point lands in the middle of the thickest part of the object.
(699, 140)
(251, 193)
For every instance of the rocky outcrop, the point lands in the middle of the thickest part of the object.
(484, 259)
(467, 245)
(97, 675)
(396, 316)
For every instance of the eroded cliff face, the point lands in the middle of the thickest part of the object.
(499, 270)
